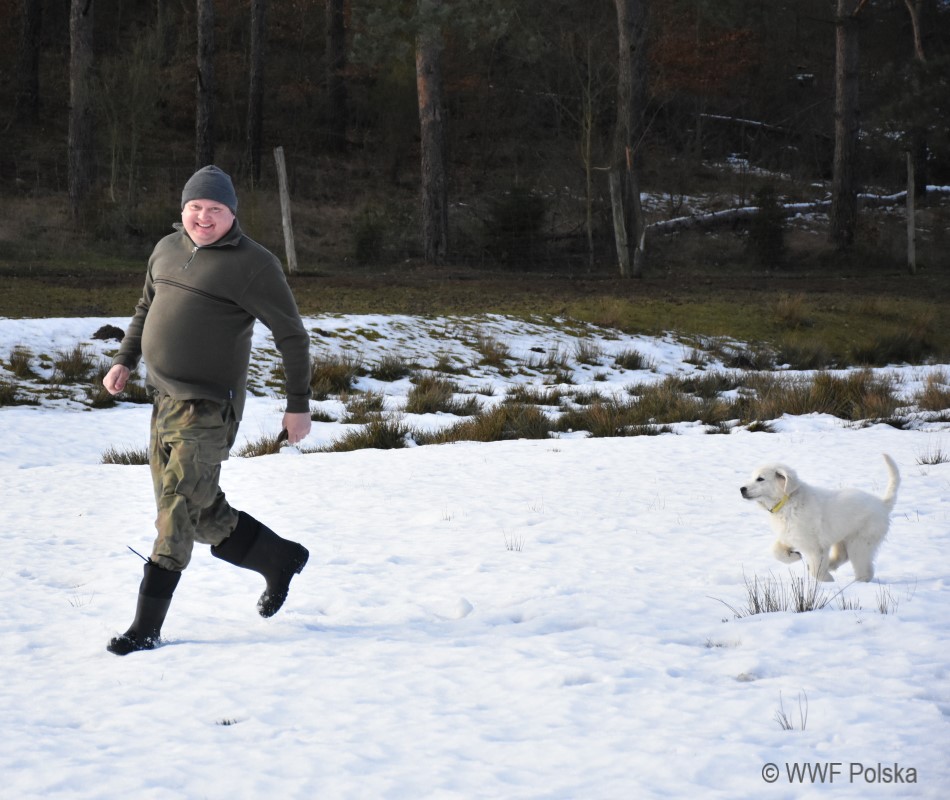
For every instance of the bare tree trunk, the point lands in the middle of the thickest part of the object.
(28, 59)
(844, 199)
(920, 18)
(204, 112)
(255, 98)
(911, 217)
(429, 48)
(336, 67)
(620, 228)
(914, 9)
(587, 156)
(80, 143)
(631, 101)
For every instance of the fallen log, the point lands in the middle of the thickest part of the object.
(735, 216)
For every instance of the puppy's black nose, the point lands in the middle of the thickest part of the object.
(742, 490)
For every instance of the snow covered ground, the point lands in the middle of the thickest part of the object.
(526, 619)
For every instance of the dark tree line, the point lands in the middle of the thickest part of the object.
(630, 84)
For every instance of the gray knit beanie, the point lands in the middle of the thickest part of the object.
(210, 183)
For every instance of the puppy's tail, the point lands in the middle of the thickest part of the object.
(890, 496)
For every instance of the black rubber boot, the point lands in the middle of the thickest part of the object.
(155, 596)
(254, 546)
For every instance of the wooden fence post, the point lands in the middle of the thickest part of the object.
(285, 210)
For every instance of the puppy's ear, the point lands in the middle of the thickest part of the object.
(788, 476)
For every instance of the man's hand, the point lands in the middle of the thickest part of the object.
(116, 379)
(296, 425)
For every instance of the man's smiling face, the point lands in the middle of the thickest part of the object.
(206, 221)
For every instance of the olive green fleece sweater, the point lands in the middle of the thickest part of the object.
(194, 322)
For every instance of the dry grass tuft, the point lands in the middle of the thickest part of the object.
(632, 359)
(21, 363)
(493, 352)
(791, 311)
(363, 408)
(935, 396)
(433, 395)
(854, 396)
(267, 445)
(378, 434)
(503, 422)
(334, 374)
(391, 368)
(73, 366)
(128, 458)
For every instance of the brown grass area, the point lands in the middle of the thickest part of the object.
(821, 305)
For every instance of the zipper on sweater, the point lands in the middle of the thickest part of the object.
(194, 252)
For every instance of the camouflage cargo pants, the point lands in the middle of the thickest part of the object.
(189, 441)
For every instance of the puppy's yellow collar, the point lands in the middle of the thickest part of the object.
(778, 506)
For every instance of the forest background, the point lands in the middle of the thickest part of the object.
(457, 156)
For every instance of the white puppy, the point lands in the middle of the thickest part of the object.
(825, 528)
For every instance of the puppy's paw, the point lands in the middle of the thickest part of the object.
(784, 553)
